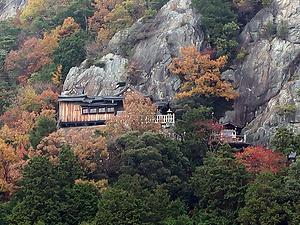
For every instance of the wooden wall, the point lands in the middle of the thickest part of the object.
(72, 112)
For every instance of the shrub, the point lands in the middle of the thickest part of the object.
(286, 110)
(270, 29)
(242, 55)
(282, 30)
(266, 2)
(90, 62)
(100, 64)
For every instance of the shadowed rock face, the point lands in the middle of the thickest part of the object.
(9, 7)
(153, 44)
(270, 63)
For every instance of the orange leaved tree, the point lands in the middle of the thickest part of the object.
(10, 170)
(88, 146)
(258, 159)
(138, 114)
(201, 74)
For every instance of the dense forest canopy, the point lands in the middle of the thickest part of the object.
(130, 172)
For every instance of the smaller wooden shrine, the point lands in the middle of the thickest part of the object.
(231, 134)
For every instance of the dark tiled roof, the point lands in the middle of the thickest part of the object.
(232, 123)
(71, 96)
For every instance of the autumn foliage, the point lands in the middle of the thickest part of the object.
(21, 119)
(114, 15)
(202, 75)
(10, 169)
(35, 53)
(28, 59)
(87, 146)
(139, 114)
(258, 159)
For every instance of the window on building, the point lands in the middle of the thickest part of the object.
(85, 110)
(110, 109)
(93, 110)
(101, 110)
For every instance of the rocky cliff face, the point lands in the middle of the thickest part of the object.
(152, 44)
(264, 78)
(8, 8)
(281, 111)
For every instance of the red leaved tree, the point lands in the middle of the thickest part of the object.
(28, 59)
(258, 159)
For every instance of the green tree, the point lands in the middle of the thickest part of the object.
(291, 190)
(157, 158)
(70, 52)
(270, 29)
(220, 184)
(68, 169)
(146, 162)
(43, 128)
(155, 4)
(219, 22)
(264, 201)
(51, 195)
(282, 30)
(195, 144)
(286, 141)
(79, 10)
(226, 43)
(8, 41)
(219, 105)
(127, 202)
(37, 16)
(215, 14)
(8, 36)
(39, 183)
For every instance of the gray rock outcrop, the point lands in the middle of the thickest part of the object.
(8, 8)
(156, 42)
(270, 64)
(283, 110)
(98, 81)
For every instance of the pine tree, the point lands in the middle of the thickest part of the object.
(220, 185)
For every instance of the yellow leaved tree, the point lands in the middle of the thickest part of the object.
(202, 75)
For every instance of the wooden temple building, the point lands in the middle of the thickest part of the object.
(79, 109)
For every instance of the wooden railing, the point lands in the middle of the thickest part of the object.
(169, 118)
(231, 138)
